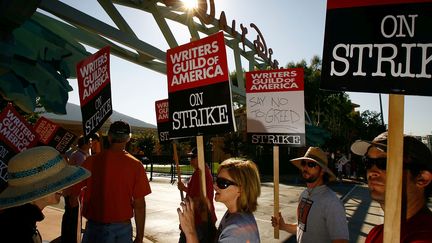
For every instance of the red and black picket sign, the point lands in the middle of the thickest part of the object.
(163, 121)
(52, 134)
(199, 88)
(93, 74)
(382, 46)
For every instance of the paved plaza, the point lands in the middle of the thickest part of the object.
(162, 220)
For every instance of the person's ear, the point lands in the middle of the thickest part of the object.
(424, 179)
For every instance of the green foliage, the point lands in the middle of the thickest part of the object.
(145, 142)
(234, 144)
(371, 125)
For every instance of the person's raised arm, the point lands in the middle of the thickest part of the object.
(187, 222)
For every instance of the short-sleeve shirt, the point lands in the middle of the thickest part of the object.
(417, 229)
(78, 157)
(193, 191)
(321, 217)
(117, 179)
(238, 228)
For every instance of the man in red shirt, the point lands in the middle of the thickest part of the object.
(204, 224)
(115, 192)
(417, 176)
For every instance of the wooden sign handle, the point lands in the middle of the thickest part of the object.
(176, 160)
(393, 195)
(276, 187)
(201, 164)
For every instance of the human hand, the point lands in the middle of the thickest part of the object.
(277, 221)
(186, 217)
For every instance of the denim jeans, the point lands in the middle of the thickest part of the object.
(107, 233)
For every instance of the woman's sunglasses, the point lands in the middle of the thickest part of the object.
(309, 164)
(224, 183)
(380, 163)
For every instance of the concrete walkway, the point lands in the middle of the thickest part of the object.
(162, 219)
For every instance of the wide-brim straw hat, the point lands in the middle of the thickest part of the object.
(36, 173)
(318, 156)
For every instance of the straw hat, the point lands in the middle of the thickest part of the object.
(36, 173)
(318, 156)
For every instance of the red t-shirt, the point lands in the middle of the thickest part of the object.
(415, 230)
(193, 191)
(117, 178)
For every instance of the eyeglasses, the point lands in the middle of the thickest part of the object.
(223, 183)
(309, 164)
(380, 163)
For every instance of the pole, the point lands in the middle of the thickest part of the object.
(393, 195)
(381, 110)
(276, 187)
(176, 160)
(201, 164)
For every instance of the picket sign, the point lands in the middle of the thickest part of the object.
(393, 195)
(176, 160)
(276, 187)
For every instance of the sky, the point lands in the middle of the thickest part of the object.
(294, 29)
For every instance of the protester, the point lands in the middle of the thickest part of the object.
(416, 188)
(206, 218)
(238, 187)
(80, 155)
(96, 144)
(70, 215)
(115, 192)
(320, 214)
(36, 178)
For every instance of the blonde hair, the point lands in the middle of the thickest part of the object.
(245, 174)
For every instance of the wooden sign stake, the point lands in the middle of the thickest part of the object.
(276, 187)
(176, 160)
(393, 195)
(201, 165)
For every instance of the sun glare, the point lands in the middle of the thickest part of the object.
(190, 4)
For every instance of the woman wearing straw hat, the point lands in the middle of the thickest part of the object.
(36, 178)
(320, 213)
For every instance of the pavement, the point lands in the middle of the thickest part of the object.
(162, 220)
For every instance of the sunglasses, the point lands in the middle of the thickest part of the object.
(224, 183)
(309, 164)
(380, 163)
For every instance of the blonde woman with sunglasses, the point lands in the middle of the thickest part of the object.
(237, 185)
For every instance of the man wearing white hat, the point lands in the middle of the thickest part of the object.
(36, 178)
(320, 213)
(416, 188)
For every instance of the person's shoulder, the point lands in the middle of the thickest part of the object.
(240, 227)
(241, 218)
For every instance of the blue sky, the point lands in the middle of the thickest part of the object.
(294, 29)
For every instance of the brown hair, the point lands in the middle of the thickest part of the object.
(245, 174)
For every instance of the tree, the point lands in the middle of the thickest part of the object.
(371, 125)
(145, 142)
